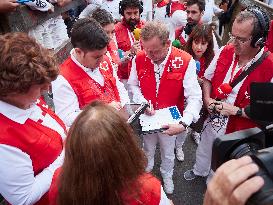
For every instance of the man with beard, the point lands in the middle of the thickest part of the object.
(195, 10)
(130, 10)
(236, 62)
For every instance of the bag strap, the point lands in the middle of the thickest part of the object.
(249, 70)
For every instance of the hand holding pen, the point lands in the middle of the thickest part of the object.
(150, 110)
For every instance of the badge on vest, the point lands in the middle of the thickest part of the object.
(104, 65)
(177, 62)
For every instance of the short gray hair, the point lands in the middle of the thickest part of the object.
(155, 29)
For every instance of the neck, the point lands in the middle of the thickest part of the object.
(15, 103)
(244, 59)
(77, 57)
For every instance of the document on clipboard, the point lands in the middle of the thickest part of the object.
(152, 124)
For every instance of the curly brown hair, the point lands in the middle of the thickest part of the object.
(23, 63)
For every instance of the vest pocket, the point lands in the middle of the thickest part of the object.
(174, 76)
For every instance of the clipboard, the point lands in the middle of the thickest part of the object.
(153, 124)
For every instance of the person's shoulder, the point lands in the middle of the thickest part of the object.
(179, 52)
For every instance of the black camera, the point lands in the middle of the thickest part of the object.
(255, 142)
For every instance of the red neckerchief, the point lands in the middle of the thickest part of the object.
(162, 3)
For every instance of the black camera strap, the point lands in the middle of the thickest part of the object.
(249, 70)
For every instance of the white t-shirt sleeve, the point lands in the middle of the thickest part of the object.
(133, 84)
(18, 185)
(123, 94)
(192, 93)
(65, 100)
(164, 199)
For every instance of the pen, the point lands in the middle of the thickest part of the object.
(150, 105)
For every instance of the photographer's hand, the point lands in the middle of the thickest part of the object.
(231, 184)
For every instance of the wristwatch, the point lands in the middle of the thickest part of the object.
(239, 112)
(184, 124)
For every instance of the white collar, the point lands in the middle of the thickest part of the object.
(16, 114)
(166, 58)
(73, 58)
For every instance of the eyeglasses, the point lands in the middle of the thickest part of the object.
(239, 39)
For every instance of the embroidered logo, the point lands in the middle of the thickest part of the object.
(177, 62)
(104, 65)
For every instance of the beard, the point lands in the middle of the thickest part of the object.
(132, 23)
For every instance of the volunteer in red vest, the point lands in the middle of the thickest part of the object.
(107, 22)
(166, 76)
(195, 10)
(130, 11)
(86, 75)
(31, 138)
(248, 33)
(102, 149)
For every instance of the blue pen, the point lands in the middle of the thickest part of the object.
(22, 1)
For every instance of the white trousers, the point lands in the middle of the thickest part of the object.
(204, 150)
(167, 144)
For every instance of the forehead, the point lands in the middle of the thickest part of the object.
(131, 10)
(243, 29)
(193, 7)
(109, 27)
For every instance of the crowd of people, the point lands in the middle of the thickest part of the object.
(83, 151)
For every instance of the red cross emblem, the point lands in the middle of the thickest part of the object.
(104, 65)
(177, 62)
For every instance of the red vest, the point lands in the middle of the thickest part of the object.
(87, 89)
(178, 36)
(41, 143)
(150, 191)
(269, 41)
(124, 43)
(113, 51)
(263, 73)
(177, 6)
(171, 91)
(202, 67)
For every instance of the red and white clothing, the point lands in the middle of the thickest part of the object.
(73, 92)
(269, 40)
(31, 147)
(112, 54)
(223, 69)
(149, 81)
(125, 39)
(151, 191)
(183, 38)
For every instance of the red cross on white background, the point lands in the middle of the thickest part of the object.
(177, 62)
(104, 65)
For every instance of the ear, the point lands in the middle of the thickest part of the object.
(168, 43)
(79, 52)
(202, 13)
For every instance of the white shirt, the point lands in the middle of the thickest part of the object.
(147, 13)
(66, 101)
(192, 90)
(18, 184)
(210, 10)
(112, 7)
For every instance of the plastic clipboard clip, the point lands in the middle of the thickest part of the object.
(137, 113)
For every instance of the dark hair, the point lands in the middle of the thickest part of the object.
(202, 32)
(201, 4)
(87, 34)
(24, 63)
(103, 17)
(102, 159)
(124, 4)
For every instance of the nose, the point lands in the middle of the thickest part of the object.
(199, 45)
